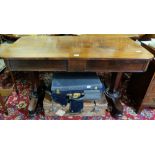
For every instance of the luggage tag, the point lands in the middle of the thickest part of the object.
(60, 112)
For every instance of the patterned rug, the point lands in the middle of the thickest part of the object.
(18, 109)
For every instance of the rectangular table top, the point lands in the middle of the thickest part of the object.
(74, 47)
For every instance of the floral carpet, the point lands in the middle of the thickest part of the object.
(18, 112)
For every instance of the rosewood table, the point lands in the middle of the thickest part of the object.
(96, 53)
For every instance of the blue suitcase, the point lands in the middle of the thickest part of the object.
(74, 88)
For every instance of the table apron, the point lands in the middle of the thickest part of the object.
(78, 65)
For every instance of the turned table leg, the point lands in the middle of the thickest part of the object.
(15, 85)
(35, 81)
(3, 105)
(113, 96)
(14, 81)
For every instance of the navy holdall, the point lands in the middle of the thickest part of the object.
(74, 88)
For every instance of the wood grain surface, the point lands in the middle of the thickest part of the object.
(74, 47)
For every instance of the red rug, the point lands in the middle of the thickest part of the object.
(18, 109)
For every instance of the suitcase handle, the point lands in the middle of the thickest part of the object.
(81, 97)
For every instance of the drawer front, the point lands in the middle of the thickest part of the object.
(117, 65)
(37, 65)
(76, 66)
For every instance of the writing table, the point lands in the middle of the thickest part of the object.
(85, 53)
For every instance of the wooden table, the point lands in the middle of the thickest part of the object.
(84, 53)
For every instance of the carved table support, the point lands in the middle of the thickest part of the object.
(15, 85)
(14, 81)
(3, 105)
(35, 81)
(113, 96)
